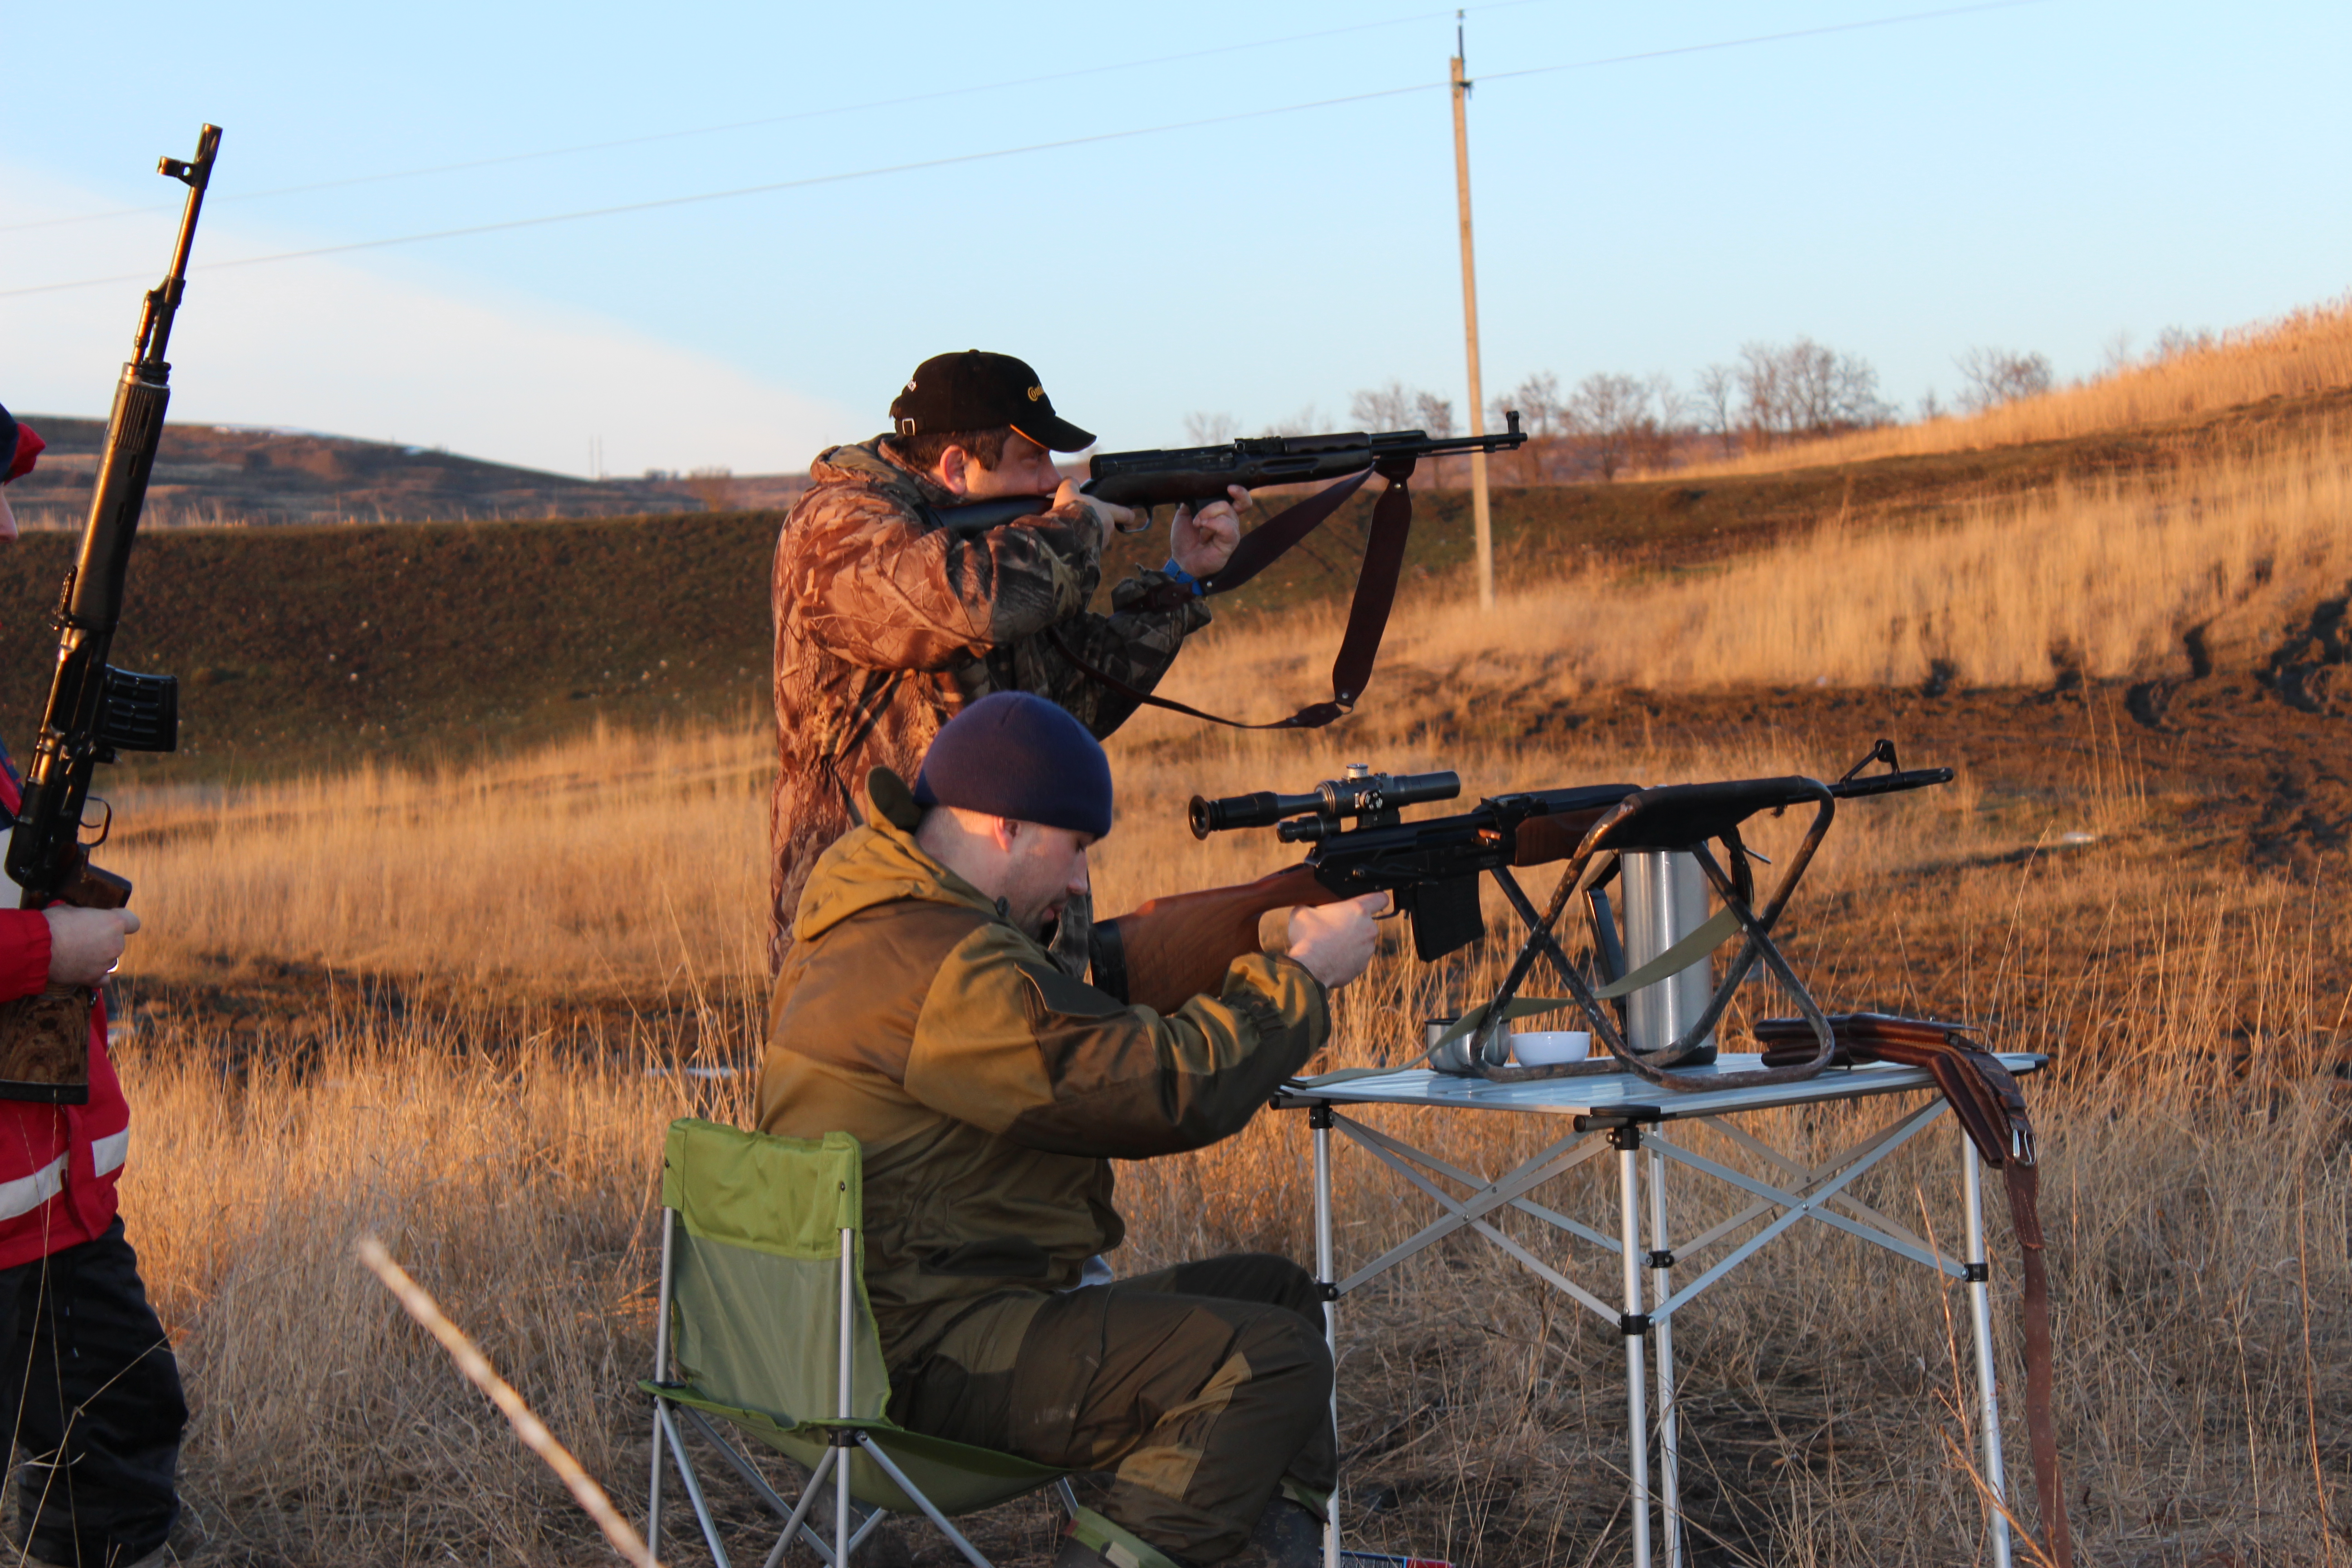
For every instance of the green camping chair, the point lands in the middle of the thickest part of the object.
(764, 1324)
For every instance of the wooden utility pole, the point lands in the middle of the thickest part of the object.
(1478, 510)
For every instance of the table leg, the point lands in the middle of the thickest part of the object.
(1660, 1260)
(1320, 1118)
(1627, 1142)
(1981, 1313)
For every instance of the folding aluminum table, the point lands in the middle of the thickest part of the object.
(1620, 1111)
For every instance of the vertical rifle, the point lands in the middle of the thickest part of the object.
(96, 711)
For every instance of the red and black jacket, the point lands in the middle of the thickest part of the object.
(58, 1164)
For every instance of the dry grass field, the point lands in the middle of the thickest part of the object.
(2305, 352)
(455, 1007)
(2101, 580)
(2198, 1185)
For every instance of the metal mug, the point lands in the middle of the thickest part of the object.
(1454, 1057)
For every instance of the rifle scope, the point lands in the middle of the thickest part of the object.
(1361, 793)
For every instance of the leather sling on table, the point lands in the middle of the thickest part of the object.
(1984, 1095)
(1368, 612)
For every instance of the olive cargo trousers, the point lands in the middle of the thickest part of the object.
(1203, 1388)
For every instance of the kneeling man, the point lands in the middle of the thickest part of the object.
(919, 1010)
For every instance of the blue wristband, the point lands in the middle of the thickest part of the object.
(1184, 577)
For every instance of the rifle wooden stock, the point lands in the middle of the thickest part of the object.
(1180, 946)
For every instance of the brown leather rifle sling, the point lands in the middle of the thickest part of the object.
(1985, 1098)
(1368, 612)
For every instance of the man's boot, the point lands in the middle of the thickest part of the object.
(1288, 1535)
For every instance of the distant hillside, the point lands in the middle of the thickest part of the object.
(307, 646)
(212, 474)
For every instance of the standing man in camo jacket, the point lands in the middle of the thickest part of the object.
(887, 625)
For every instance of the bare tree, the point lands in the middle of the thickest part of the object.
(1308, 421)
(1537, 401)
(1615, 419)
(1432, 414)
(1715, 394)
(1670, 413)
(1211, 429)
(1380, 408)
(1995, 377)
(714, 488)
(2174, 342)
(1803, 389)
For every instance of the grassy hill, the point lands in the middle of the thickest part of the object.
(214, 474)
(304, 647)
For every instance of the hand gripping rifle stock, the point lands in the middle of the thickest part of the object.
(95, 710)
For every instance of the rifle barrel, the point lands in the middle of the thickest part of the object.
(163, 300)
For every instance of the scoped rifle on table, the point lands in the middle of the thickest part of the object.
(1174, 948)
(1199, 475)
(96, 711)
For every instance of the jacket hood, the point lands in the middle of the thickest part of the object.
(867, 463)
(879, 863)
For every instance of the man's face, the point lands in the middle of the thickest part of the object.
(1025, 469)
(1046, 866)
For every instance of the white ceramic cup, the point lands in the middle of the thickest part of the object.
(1551, 1048)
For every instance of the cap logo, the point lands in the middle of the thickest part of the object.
(1036, 394)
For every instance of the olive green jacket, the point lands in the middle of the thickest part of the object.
(991, 1091)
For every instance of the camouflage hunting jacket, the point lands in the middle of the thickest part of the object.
(886, 627)
(988, 1089)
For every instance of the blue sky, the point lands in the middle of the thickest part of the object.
(2042, 176)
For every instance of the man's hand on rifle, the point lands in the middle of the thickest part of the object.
(1335, 941)
(1106, 516)
(85, 944)
(1203, 544)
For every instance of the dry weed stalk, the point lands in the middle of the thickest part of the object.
(419, 1304)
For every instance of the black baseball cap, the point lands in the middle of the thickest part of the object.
(978, 391)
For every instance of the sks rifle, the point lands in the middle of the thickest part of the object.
(1174, 948)
(96, 711)
(1197, 475)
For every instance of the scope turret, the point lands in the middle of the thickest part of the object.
(1362, 792)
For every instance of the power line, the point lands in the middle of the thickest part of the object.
(651, 137)
(745, 190)
(769, 187)
(1765, 39)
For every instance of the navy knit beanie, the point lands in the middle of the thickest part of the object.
(1012, 754)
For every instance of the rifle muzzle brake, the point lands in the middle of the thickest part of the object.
(1361, 793)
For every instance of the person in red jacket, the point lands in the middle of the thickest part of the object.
(88, 1385)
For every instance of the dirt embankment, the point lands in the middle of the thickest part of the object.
(306, 646)
(212, 474)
